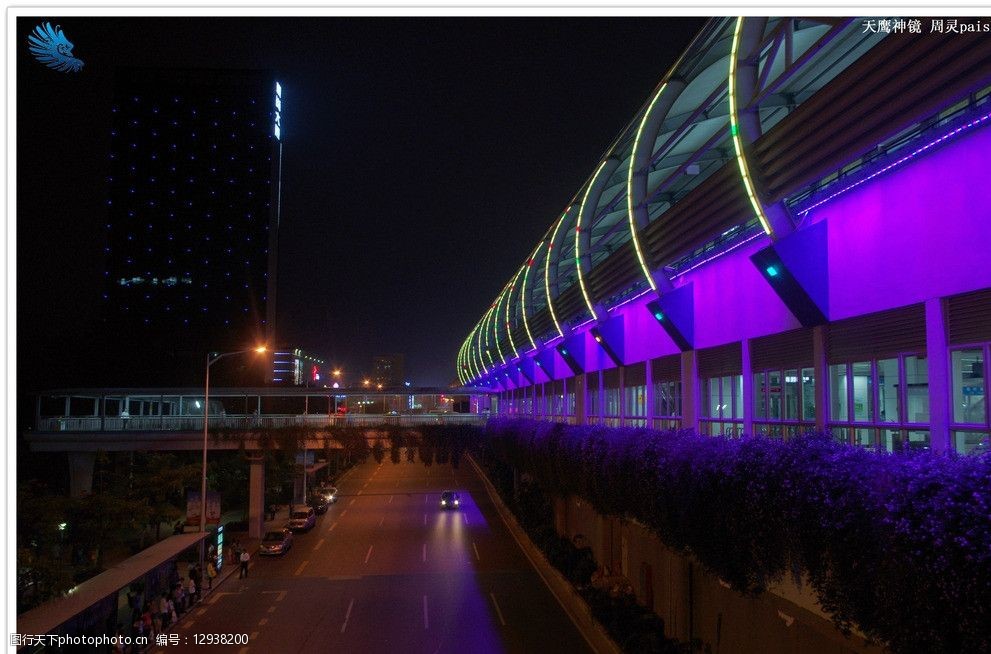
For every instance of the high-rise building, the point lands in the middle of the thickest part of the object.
(296, 367)
(193, 215)
(387, 369)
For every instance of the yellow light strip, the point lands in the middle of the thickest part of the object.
(485, 330)
(509, 303)
(478, 349)
(470, 354)
(495, 324)
(526, 323)
(547, 271)
(629, 189)
(578, 230)
(734, 130)
(462, 376)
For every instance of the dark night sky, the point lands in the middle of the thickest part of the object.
(423, 159)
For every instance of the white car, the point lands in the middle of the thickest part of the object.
(303, 519)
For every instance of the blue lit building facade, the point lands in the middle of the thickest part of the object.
(193, 212)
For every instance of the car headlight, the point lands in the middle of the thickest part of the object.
(443, 502)
(457, 503)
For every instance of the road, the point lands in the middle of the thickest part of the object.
(387, 570)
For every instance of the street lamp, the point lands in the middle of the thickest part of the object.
(211, 358)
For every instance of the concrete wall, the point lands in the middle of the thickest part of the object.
(696, 604)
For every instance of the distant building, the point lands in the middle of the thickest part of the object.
(296, 367)
(388, 369)
(192, 217)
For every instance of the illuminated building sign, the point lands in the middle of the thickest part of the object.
(278, 111)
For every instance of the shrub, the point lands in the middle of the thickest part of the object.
(899, 546)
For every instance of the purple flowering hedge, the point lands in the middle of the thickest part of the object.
(899, 546)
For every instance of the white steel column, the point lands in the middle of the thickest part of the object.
(939, 378)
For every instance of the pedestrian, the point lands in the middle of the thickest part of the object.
(147, 627)
(244, 558)
(191, 591)
(211, 571)
(156, 613)
(171, 615)
(180, 597)
(165, 612)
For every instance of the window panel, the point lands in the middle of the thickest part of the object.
(790, 387)
(808, 394)
(888, 391)
(967, 442)
(838, 392)
(917, 390)
(969, 387)
(862, 391)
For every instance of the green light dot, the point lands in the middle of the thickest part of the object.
(734, 129)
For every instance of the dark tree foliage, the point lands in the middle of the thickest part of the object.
(897, 545)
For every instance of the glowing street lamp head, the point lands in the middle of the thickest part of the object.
(261, 349)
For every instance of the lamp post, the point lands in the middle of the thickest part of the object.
(211, 358)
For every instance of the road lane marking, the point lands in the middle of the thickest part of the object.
(359, 493)
(263, 622)
(424, 519)
(425, 496)
(498, 610)
(332, 526)
(189, 624)
(475, 547)
(342, 513)
(243, 650)
(271, 609)
(300, 568)
(352, 501)
(390, 498)
(369, 555)
(381, 520)
(426, 618)
(318, 545)
(253, 636)
(201, 612)
(281, 594)
(466, 517)
(424, 552)
(347, 616)
(216, 595)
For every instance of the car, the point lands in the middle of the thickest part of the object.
(329, 492)
(276, 542)
(319, 503)
(303, 519)
(450, 500)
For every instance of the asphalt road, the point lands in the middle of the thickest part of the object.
(387, 570)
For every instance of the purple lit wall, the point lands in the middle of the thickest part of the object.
(911, 234)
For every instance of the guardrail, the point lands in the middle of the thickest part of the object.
(247, 422)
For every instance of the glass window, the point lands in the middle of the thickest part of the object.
(863, 437)
(916, 390)
(667, 398)
(612, 401)
(713, 394)
(636, 400)
(760, 395)
(808, 394)
(918, 439)
(736, 383)
(887, 391)
(593, 402)
(838, 392)
(966, 442)
(969, 389)
(862, 391)
(790, 388)
(774, 395)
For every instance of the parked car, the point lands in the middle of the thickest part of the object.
(303, 520)
(319, 503)
(450, 500)
(276, 542)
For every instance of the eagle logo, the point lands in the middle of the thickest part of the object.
(50, 47)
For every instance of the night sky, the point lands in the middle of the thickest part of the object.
(423, 159)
